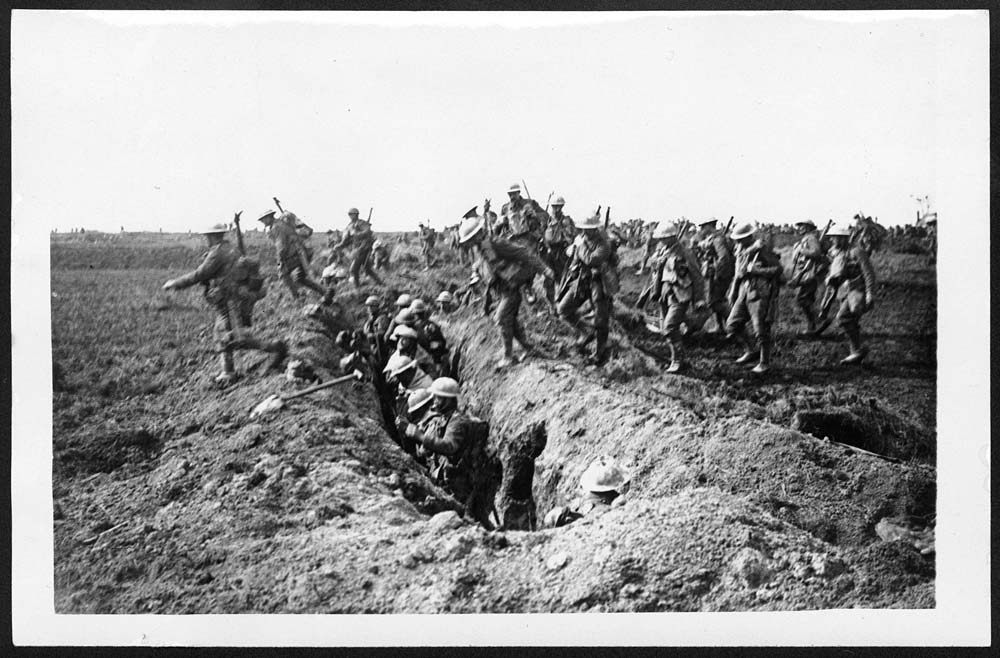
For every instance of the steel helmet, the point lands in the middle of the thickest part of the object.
(839, 229)
(418, 306)
(445, 387)
(591, 222)
(744, 230)
(405, 316)
(264, 215)
(514, 187)
(418, 399)
(806, 222)
(403, 331)
(353, 211)
(397, 364)
(334, 272)
(602, 476)
(215, 228)
(471, 212)
(710, 220)
(665, 230)
(445, 296)
(470, 227)
(404, 300)
(372, 300)
(559, 201)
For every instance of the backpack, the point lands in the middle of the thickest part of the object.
(247, 276)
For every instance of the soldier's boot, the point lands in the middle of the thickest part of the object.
(675, 357)
(749, 354)
(858, 351)
(583, 340)
(764, 364)
(810, 315)
(228, 371)
(522, 339)
(508, 352)
(601, 353)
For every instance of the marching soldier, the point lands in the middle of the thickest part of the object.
(587, 280)
(808, 261)
(717, 266)
(293, 264)
(232, 299)
(358, 235)
(456, 446)
(559, 235)
(677, 284)
(849, 265)
(428, 236)
(753, 296)
(505, 266)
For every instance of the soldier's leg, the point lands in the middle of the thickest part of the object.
(356, 264)
(278, 348)
(302, 277)
(736, 323)
(568, 309)
(676, 312)
(602, 319)
(286, 278)
(849, 320)
(506, 319)
(805, 298)
(761, 316)
(369, 270)
(223, 335)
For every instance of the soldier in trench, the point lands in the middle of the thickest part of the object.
(603, 484)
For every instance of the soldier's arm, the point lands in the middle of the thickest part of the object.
(811, 248)
(346, 240)
(451, 441)
(205, 272)
(768, 263)
(597, 257)
(697, 280)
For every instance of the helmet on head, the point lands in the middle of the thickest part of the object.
(215, 229)
(665, 230)
(445, 297)
(418, 306)
(839, 229)
(744, 230)
(398, 363)
(559, 201)
(710, 220)
(372, 300)
(445, 387)
(403, 331)
(405, 316)
(266, 216)
(418, 399)
(471, 212)
(353, 211)
(514, 187)
(334, 272)
(806, 222)
(404, 300)
(603, 476)
(591, 222)
(470, 227)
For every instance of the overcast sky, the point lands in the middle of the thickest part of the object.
(175, 119)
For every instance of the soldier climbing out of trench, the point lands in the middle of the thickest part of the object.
(293, 265)
(232, 293)
(455, 444)
(603, 484)
(359, 236)
(506, 267)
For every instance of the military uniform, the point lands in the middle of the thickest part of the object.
(432, 340)
(359, 236)
(677, 284)
(851, 268)
(717, 267)
(808, 261)
(507, 266)
(755, 295)
(559, 234)
(522, 220)
(291, 256)
(456, 445)
(428, 236)
(232, 299)
(588, 280)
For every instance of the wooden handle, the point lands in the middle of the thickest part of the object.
(318, 387)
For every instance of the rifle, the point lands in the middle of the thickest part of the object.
(607, 218)
(526, 192)
(239, 234)
(278, 203)
(548, 201)
(826, 230)
(729, 225)
(370, 209)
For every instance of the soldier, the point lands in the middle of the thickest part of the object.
(456, 445)
(559, 235)
(930, 242)
(375, 327)
(753, 296)
(293, 266)
(428, 236)
(406, 374)
(506, 267)
(380, 255)
(232, 299)
(358, 235)
(677, 283)
(445, 302)
(849, 265)
(418, 404)
(717, 263)
(587, 280)
(431, 338)
(603, 484)
(303, 230)
(808, 261)
(522, 221)
(403, 317)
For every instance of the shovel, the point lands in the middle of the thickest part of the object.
(277, 402)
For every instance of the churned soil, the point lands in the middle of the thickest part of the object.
(169, 498)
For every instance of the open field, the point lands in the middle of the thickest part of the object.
(169, 499)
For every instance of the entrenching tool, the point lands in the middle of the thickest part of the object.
(277, 402)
